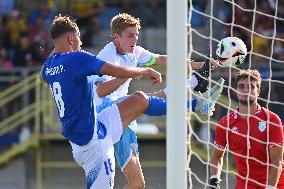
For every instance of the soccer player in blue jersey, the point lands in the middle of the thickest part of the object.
(108, 90)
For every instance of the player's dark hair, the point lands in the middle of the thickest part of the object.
(253, 75)
(62, 25)
(122, 21)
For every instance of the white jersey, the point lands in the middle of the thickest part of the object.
(139, 57)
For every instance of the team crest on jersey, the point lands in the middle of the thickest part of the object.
(261, 126)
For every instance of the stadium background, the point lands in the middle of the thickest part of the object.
(32, 155)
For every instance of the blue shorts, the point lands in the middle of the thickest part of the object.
(127, 145)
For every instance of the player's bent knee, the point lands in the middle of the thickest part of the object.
(138, 102)
(141, 97)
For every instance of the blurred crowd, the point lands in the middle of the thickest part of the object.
(24, 36)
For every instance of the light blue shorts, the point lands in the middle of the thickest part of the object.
(127, 145)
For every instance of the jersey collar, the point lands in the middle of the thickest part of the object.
(257, 112)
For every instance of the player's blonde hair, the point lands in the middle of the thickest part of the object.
(61, 25)
(253, 75)
(122, 21)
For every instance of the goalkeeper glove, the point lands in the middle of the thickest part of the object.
(202, 77)
(214, 182)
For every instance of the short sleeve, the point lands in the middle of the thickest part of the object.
(220, 134)
(88, 64)
(146, 58)
(276, 130)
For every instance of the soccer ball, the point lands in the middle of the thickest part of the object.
(231, 51)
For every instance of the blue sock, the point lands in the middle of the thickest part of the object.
(158, 106)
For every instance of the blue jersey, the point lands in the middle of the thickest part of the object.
(72, 90)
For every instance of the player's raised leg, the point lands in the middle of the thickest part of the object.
(132, 107)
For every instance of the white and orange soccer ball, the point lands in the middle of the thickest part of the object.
(231, 52)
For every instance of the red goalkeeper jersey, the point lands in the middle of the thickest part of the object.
(264, 130)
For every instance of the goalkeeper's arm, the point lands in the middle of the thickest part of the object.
(216, 163)
(276, 157)
(161, 60)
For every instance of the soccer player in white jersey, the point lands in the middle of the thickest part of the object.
(124, 52)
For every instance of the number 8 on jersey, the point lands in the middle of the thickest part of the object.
(57, 95)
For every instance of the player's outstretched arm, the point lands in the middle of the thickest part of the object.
(162, 61)
(216, 163)
(130, 72)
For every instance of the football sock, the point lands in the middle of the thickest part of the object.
(158, 106)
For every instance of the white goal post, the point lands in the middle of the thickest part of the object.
(177, 94)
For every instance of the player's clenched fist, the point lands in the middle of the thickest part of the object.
(154, 76)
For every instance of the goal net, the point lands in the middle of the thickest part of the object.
(260, 24)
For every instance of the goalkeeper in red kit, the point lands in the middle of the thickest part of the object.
(254, 135)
